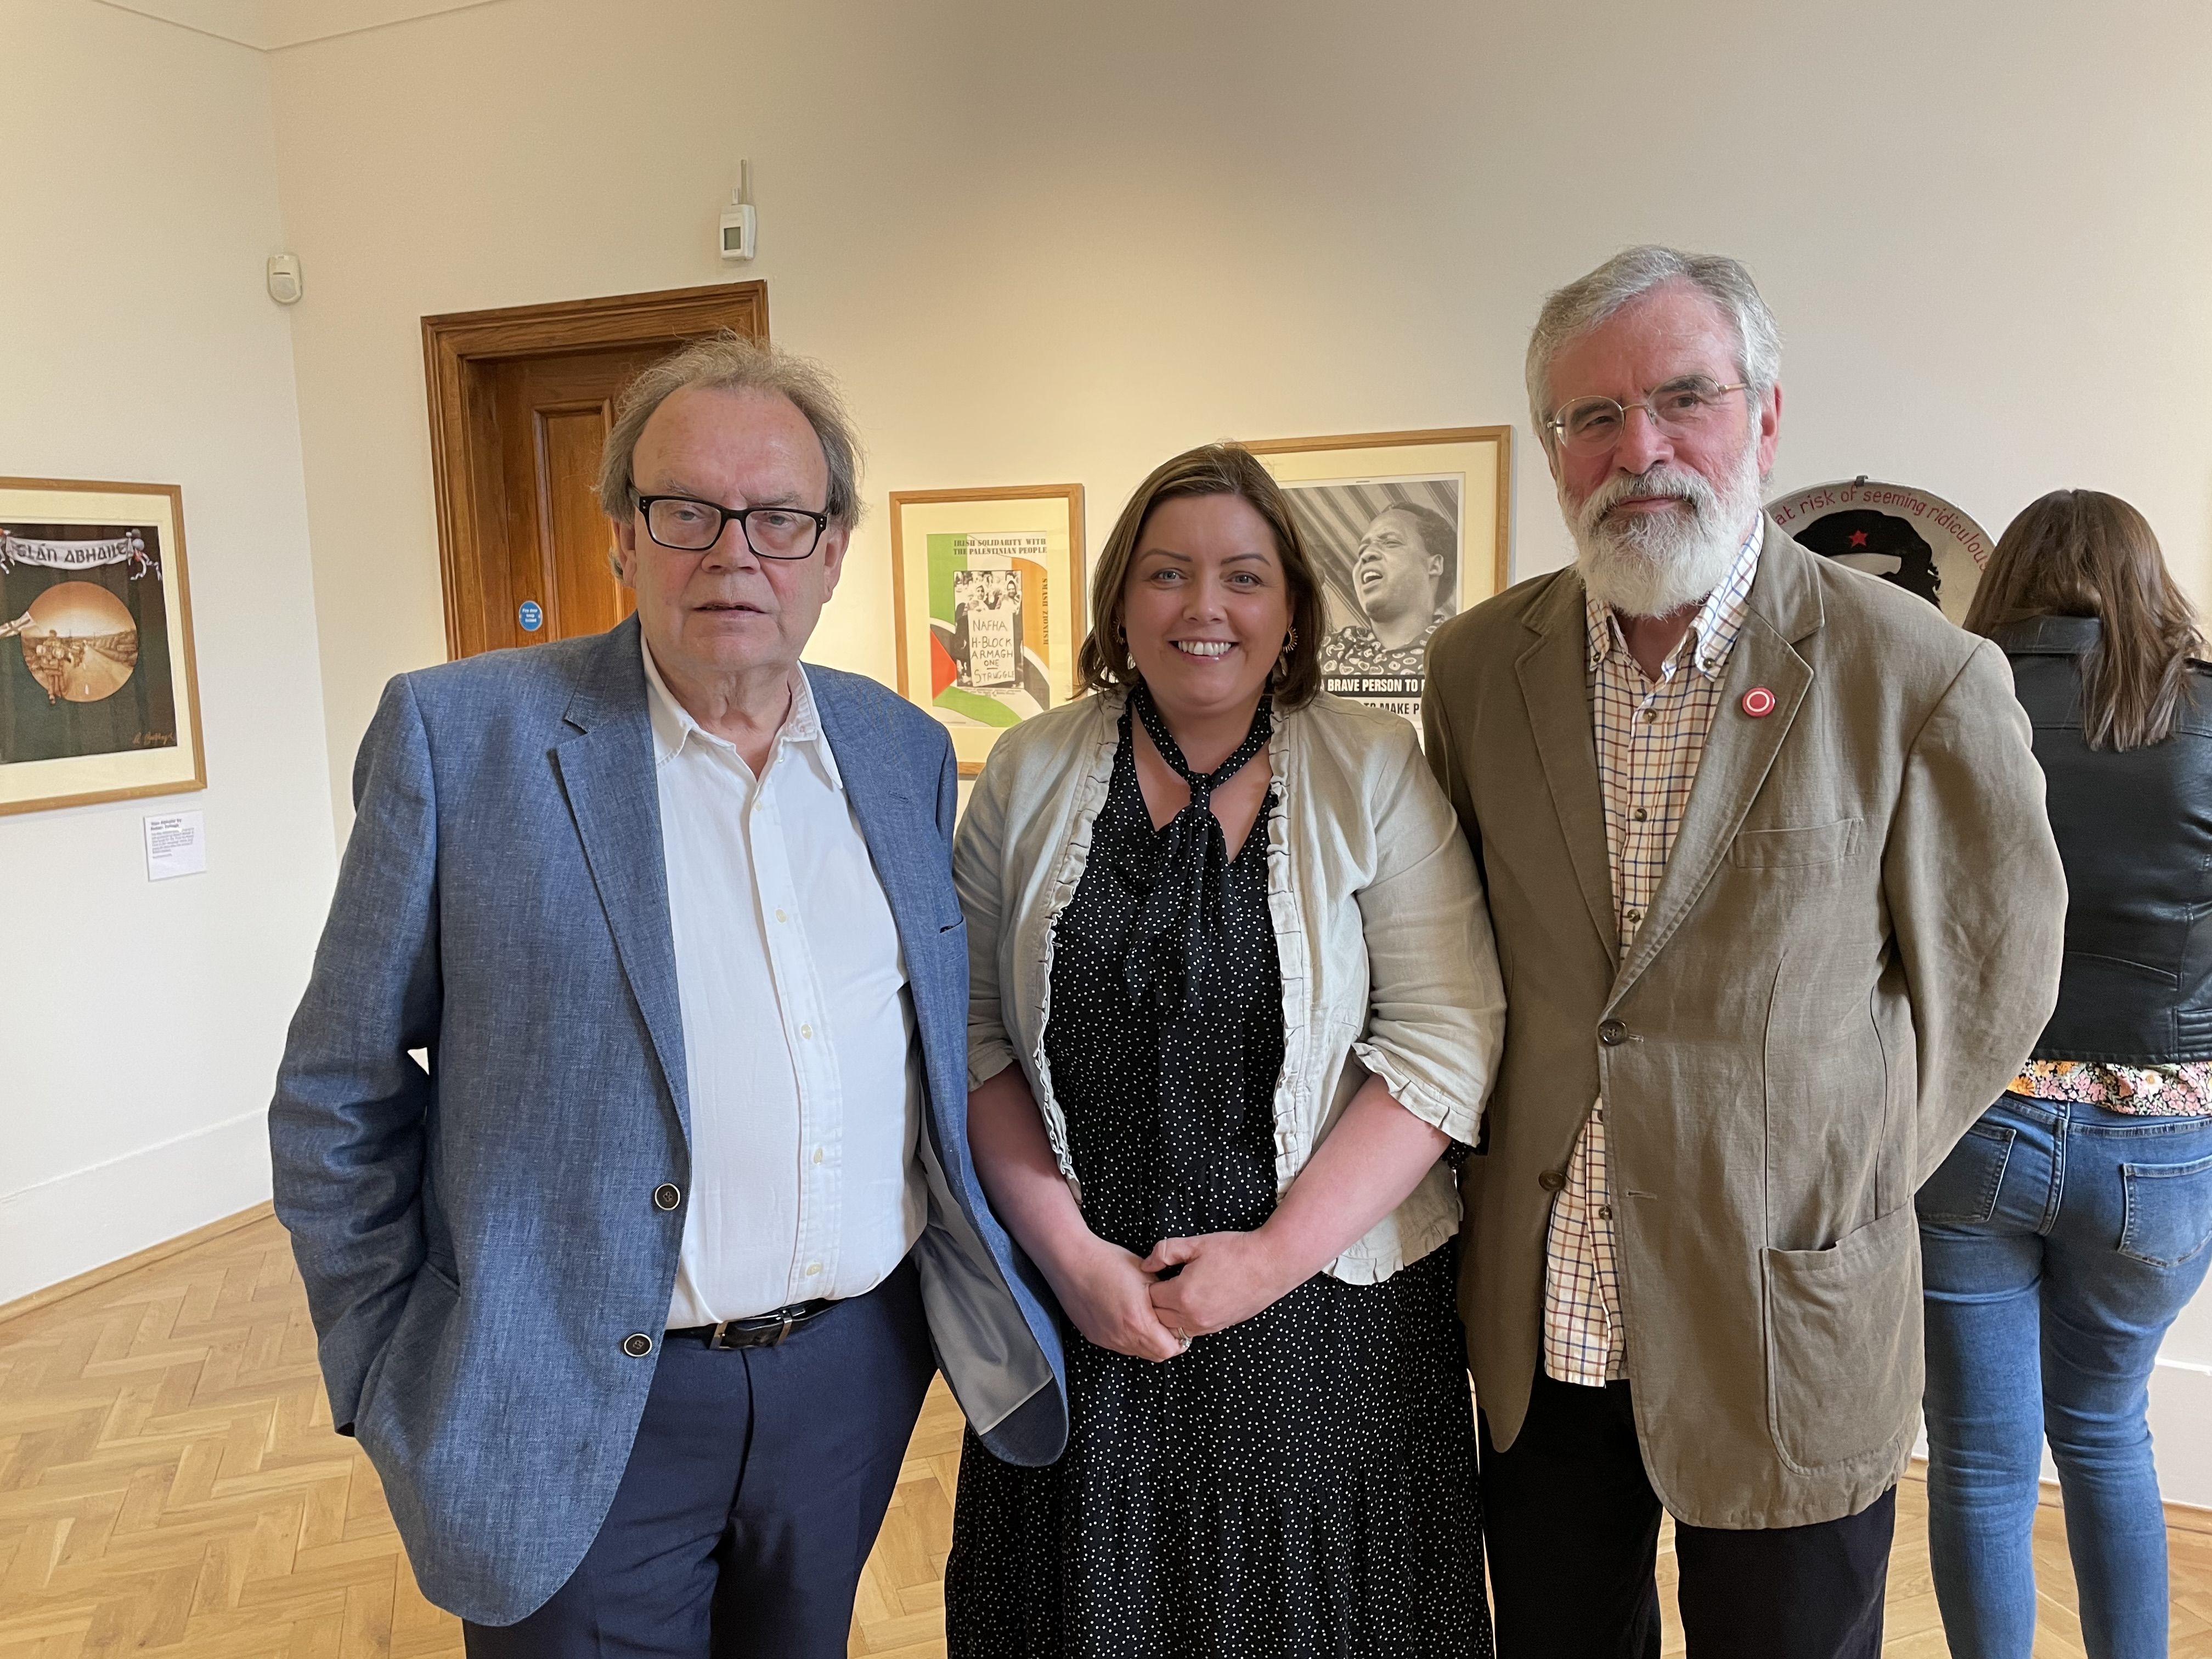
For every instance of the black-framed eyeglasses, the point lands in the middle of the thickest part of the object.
(1683, 408)
(692, 527)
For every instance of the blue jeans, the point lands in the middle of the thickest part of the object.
(2074, 1235)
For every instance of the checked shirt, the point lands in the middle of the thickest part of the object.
(1650, 737)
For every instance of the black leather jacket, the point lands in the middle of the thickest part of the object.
(2135, 830)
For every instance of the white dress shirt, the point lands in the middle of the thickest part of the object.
(798, 1028)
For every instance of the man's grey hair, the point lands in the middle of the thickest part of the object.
(728, 362)
(1587, 301)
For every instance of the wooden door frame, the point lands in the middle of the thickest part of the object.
(459, 350)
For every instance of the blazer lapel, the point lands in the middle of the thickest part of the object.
(606, 770)
(1554, 674)
(1783, 607)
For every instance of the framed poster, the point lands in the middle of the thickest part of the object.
(1904, 535)
(1408, 528)
(98, 696)
(987, 595)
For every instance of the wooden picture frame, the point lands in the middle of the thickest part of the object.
(1434, 508)
(1014, 557)
(98, 689)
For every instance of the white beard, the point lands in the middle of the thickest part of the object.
(1651, 565)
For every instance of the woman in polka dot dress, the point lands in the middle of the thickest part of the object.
(1236, 1007)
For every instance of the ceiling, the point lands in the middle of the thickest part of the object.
(272, 25)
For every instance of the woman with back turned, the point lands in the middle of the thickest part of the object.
(1234, 998)
(2068, 1229)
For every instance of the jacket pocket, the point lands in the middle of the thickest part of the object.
(1843, 1358)
(2169, 1211)
(1964, 1189)
(1815, 844)
(431, 1299)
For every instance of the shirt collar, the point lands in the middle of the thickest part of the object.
(673, 726)
(1712, 632)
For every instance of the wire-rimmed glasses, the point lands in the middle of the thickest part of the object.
(692, 527)
(1680, 409)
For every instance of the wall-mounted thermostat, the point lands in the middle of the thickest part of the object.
(738, 227)
(284, 279)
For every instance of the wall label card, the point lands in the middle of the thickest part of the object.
(176, 845)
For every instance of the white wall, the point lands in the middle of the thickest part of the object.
(140, 1024)
(1053, 242)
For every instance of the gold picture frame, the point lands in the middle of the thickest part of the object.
(1404, 529)
(987, 605)
(99, 690)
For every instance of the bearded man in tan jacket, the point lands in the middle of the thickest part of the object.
(1779, 915)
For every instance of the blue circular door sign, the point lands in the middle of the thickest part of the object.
(533, 617)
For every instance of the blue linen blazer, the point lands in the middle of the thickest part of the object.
(478, 1237)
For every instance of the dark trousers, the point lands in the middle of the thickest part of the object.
(1573, 1529)
(754, 1493)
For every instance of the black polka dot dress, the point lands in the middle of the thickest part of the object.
(1303, 1484)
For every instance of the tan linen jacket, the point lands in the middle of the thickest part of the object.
(1855, 942)
(1385, 951)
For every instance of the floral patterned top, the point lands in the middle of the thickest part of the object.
(1355, 650)
(2184, 1090)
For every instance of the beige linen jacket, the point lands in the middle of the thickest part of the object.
(1387, 961)
(1855, 945)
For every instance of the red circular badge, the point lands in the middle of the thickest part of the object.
(1758, 702)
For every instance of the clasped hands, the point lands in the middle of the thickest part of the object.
(1119, 1301)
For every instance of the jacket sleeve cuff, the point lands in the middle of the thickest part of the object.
(1463, 1121)
(985, 1060)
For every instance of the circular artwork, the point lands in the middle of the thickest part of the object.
(79, 643)
(1917, 541)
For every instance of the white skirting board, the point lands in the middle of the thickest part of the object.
(90, 1216)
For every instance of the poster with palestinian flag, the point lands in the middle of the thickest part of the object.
(988, 588)
(988, 598)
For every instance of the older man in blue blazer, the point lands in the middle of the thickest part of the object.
(621, 1131)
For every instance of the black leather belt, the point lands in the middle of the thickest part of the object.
(757, 1331)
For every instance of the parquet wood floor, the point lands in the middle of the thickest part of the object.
(169, 1485)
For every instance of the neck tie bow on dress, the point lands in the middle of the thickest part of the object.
(1170, 947)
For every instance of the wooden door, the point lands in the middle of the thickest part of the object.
(520, 402)
(550, 416)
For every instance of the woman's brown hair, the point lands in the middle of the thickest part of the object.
(1211, 470)
(2082, 553)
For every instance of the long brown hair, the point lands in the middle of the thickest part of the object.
(2082, 553)
(1211, 470)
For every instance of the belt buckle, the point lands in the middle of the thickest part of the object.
(785, 1316)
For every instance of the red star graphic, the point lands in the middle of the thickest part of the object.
(1858, 538)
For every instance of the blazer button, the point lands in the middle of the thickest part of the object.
(1612, 1033)
(667, 1195)
(637, 1345)
(1552, 1181)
